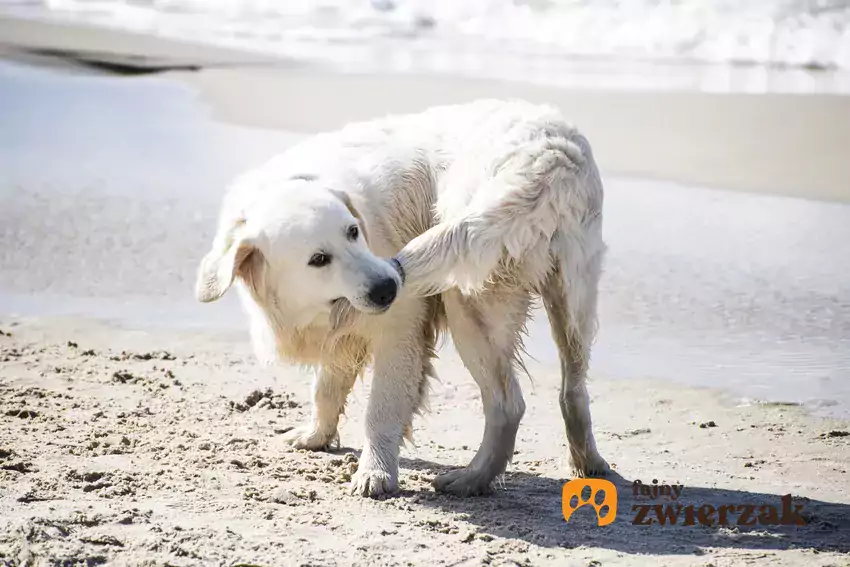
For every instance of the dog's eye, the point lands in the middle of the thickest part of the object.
(319, 259)
(353, 232)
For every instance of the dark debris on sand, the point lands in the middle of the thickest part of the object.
(264, 399)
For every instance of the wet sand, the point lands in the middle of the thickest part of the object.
(110, 186)
(112, 51)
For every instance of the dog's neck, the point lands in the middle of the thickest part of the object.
(308, 338)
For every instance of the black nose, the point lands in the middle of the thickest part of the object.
(383, 293)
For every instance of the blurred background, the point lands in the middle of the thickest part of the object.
(722, 128)
(716, 45)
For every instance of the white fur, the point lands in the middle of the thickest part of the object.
(484, 206)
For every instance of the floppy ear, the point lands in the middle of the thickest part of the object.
(343, 196)
(219, 267)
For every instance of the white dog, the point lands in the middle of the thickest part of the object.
(480, 208)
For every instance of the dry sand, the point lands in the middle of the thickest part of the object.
(149, 446)
(127, 447)
(781, 144)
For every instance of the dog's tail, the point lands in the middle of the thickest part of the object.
(538, 209)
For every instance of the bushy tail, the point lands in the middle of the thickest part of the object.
(542, 205)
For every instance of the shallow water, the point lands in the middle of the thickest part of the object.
(716, 288)
(109, 189)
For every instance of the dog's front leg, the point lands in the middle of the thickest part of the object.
(331, 386)
(394, 397)
(332, 383)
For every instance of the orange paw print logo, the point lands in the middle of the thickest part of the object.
(599, 493)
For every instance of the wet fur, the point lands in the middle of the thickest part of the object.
(485, 206)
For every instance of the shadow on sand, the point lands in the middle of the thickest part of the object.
(528, 507)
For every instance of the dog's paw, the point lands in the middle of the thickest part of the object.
(308, 437)
(592, 465)
(373, 482)
(464, 482)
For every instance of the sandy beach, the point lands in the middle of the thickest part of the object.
(126, 447)
(137, 428)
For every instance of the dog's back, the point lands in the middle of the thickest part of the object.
(519, 212)
(481, 206)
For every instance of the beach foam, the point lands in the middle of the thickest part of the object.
(399, 34)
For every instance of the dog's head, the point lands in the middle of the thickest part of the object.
(300, 249)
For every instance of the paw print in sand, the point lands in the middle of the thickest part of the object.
(599, 493)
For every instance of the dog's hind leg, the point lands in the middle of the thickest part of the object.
(486, 332)
(573, 338)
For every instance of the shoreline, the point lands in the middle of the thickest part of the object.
(636, 134)
(776, 301)
(46, 41)
(743, 142)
